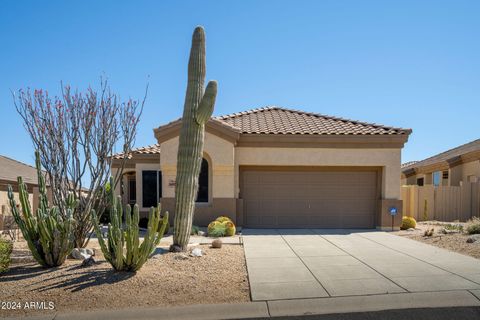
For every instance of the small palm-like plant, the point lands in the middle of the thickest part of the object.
(123, 249)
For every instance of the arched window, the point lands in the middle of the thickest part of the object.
(202, 195)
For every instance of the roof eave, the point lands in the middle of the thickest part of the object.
(214, 126)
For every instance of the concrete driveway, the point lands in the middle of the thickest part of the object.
(316, 263)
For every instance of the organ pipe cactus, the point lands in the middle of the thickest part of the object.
(49, 235)
(198, 109)
(122, 249)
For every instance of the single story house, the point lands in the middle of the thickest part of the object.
(278, 168)
(10, 169)
(454, 167)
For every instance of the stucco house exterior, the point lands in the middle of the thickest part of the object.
(10, 169)
(454, 167)
(278, 168)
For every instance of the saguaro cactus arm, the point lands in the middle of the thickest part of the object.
(205, 109)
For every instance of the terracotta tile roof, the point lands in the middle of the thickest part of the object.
(447, 155)
(275, 120)
(152, 149)
(408, 164)
(10, 169)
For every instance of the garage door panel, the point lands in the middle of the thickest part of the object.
(311, 199)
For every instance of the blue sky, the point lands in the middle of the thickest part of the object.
(413, 64)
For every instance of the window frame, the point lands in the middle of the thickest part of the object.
(158, 188)
(207, 166)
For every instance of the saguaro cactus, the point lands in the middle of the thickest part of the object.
(197, 110)
(123, 249)
(49, 235)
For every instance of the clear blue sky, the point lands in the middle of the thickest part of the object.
(413, 64)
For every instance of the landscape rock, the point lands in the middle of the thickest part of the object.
(473, 238)
(82, 253)
(217, 243)
(181, 257)
(88, 262)
(411, 229)
(197, 252)
(201, 233)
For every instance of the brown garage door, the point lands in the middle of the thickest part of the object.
(317, 198)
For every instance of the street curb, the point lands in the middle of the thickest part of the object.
(372, 303)
(278, 308)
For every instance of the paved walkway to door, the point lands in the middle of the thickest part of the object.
(315, 263)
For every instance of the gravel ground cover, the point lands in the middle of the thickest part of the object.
(167, 279)
(454, 241)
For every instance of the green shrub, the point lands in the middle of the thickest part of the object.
(6, 248)
(219, 230)
(408, 222)
(453, 227)
(195, 230)
(473, 226)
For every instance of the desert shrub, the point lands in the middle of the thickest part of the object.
(453, 227)
(219, 230)
(473, 226)
(6, 248)
(408, 222)
(195, 230)
(428, 232)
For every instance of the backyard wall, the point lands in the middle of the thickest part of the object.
(443, 203)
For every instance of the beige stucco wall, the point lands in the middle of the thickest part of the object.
(220, 155)
(470, 169)
(388, 159)
(456, 175)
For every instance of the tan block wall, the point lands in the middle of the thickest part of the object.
(388, 159)
(220, 155)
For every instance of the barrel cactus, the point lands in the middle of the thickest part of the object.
(223, 219)
(49, 235)
(230, 229)
(198, 108)
(123, 249)
(212, 226)
(221, 227)
(408, 222)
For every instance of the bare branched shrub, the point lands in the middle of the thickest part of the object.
(76, 134)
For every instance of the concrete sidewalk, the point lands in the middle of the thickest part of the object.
(279, 308)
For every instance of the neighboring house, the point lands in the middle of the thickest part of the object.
(278, 168)
(9, 171)
(454, 167)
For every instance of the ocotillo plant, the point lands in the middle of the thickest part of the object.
(49, 235)
(197, 110)
(122, 250)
